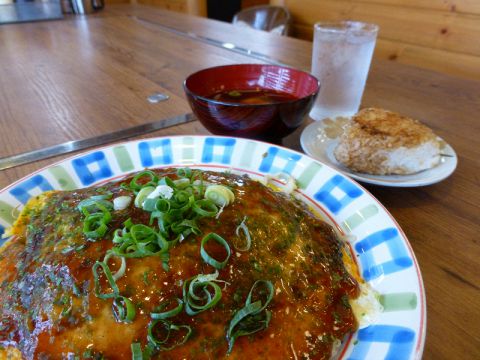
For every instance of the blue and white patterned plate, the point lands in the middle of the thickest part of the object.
(384, 255)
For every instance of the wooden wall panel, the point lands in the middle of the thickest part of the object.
(250, 3)
(192, 7)
(174, 5)
(427, 33)
(459, 6)
(435, 29)
(463, 65)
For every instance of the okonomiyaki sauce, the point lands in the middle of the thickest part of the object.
(50, 306)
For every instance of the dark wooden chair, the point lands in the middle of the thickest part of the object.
(275, 19)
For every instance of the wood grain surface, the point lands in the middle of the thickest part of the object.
(85, 76)
(434, 34)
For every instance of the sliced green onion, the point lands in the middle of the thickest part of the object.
(169, 313)
(246, 232)
(132, 249)
(123, 309)
(142, 195)
(165, 342)
(128, 223)
(152, 180)
(181, 183)
(204, 285)
(162, 190)
(253, 317)
(205, 208)
(144, 234)
(197, 183)
(219, 194)
(149, 204)
(137, 353)
(156, 204)
(123, 265)
(121, 202)
(186, 227)
(174, 205)
(162, 205)
(138, 240)
(129, 249)
(165, 259)
(247, 321)
(166, 181)
(108, 275)
(164, 220)
(184, 172)
(182, 201)
(181, 197)
(269, 288)
(210, 260)
(118, 236)
(106, 215)
(94, 204)
(95, 225)
(97, 216)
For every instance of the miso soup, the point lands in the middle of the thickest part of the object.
(252, 96)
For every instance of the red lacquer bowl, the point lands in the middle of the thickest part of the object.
(269, 121)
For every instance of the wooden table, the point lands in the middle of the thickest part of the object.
(85, 76)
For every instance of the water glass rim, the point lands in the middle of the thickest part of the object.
(346, 27)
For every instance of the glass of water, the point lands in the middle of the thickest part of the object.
(342, 52)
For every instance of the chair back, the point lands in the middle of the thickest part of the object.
(274, 19)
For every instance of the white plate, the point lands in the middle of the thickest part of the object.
(381, 249)
(320, 138)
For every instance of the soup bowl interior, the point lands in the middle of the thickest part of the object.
(264, 118)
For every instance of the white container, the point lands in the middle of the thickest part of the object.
(342, 52)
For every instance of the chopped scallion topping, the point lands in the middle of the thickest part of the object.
(97, 216)
(94, 204)
(219, 194)
(168, 313)
(205, 208)
(137, 353)
(246, 232)
(160, 333)
(142, 195)
(123, 265)
(110, 280)
(163, 191)
(149, 176)
(121, 202)
(253, 317)
(184, 173)
(123, 309)
(200, 293)
(209, 259)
